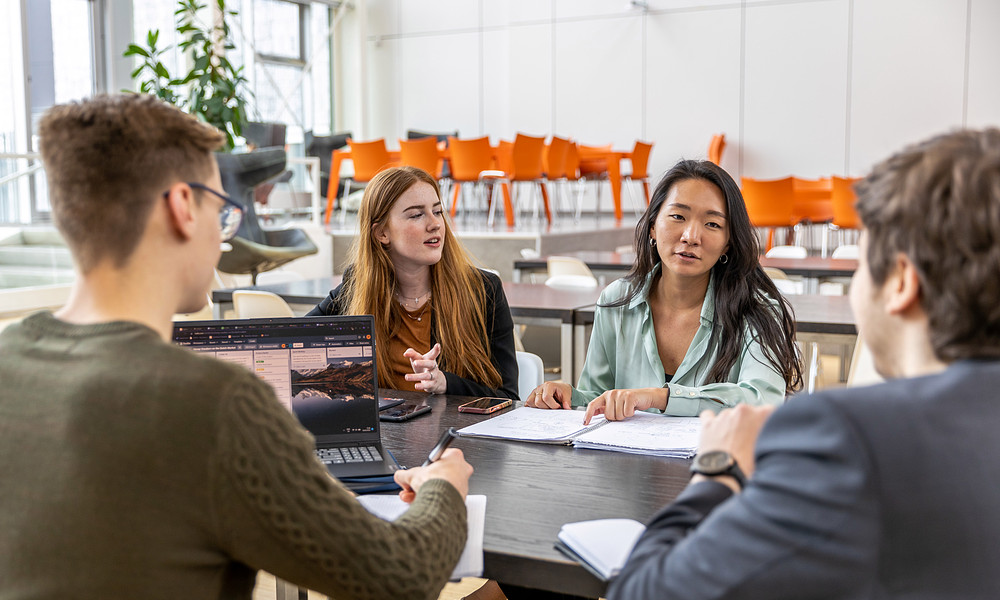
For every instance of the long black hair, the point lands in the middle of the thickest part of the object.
(744, 294)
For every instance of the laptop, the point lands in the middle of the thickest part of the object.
(321, 368)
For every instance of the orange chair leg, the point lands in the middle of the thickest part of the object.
(645, 188)
(454, 199)
(508, 207)
(545, 198)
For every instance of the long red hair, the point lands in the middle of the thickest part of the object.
(457, 286)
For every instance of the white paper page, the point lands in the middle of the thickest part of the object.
(648, 431)
(605, 543)
(470, 564)
(533, 425)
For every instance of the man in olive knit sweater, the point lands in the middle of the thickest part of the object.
(132, 468)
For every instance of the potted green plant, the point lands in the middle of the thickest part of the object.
(214, 89)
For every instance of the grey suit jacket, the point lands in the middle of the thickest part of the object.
(891, 491)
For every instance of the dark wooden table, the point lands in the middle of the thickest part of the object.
(533, 489)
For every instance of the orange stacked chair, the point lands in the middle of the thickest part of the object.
(472, 162)
(369, 159)
(554, 164)
(769, 204)
(715, 148)
(573, 174)
(423, 154)
(813, 205)
(593, 169)
(843, 199)
(526, 167)
(640, 171)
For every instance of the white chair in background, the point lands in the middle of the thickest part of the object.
(530, 373)
(569, 272)
(251, 304)
(571, 282)
(782, 282)
(846, 251)
(787, 252)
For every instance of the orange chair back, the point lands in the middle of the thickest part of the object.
(845, 215)
(715, 148)
(572, 162)
(526, 158)
(640, 160)
(554, 158)
(421, 153)
(469, 158)
(769, 203)
(593, 165)
(369, 158)
(812, 200)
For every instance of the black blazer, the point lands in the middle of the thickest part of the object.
(888, 491)
(499, 328)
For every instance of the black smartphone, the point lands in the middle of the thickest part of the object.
(405, 411)
(384, 403)
(485, 406)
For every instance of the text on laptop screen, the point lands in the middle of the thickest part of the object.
(322, 370)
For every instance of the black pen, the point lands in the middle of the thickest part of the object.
(447, 438)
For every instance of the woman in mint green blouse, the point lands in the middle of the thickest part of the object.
(696, 324)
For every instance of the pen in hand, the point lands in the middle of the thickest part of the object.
(446, 439)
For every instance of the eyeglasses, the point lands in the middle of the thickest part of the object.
(230, 215)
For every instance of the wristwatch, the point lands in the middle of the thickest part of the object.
(718, 462)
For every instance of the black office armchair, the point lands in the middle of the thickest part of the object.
(256, 249)
(322, 147)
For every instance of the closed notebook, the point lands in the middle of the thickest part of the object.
(602, 546)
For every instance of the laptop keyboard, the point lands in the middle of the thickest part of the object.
(354, 454)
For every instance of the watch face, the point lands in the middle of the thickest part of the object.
(715, 461)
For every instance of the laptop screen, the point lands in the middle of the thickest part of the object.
(321, 368)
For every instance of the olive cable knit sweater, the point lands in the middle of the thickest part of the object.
(133, 468)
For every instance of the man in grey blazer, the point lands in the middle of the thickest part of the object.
(890, 491)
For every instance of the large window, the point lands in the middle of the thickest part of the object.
(72, 50)
(67, 53)
(13, 116)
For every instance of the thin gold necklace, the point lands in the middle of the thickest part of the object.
(403, 299)
(419, 317)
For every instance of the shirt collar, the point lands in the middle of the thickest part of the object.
(707, 306)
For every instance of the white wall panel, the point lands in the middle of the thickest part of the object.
(440, 87)
(599, 81)
(908, 79)
(795, 106)
(692, 85)
(530, 91)
(497, 72)
(528, 11)
(384, 106)
(383, 17)
(422, 16)
(984, 71)
(823, 91)
(594, 8)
